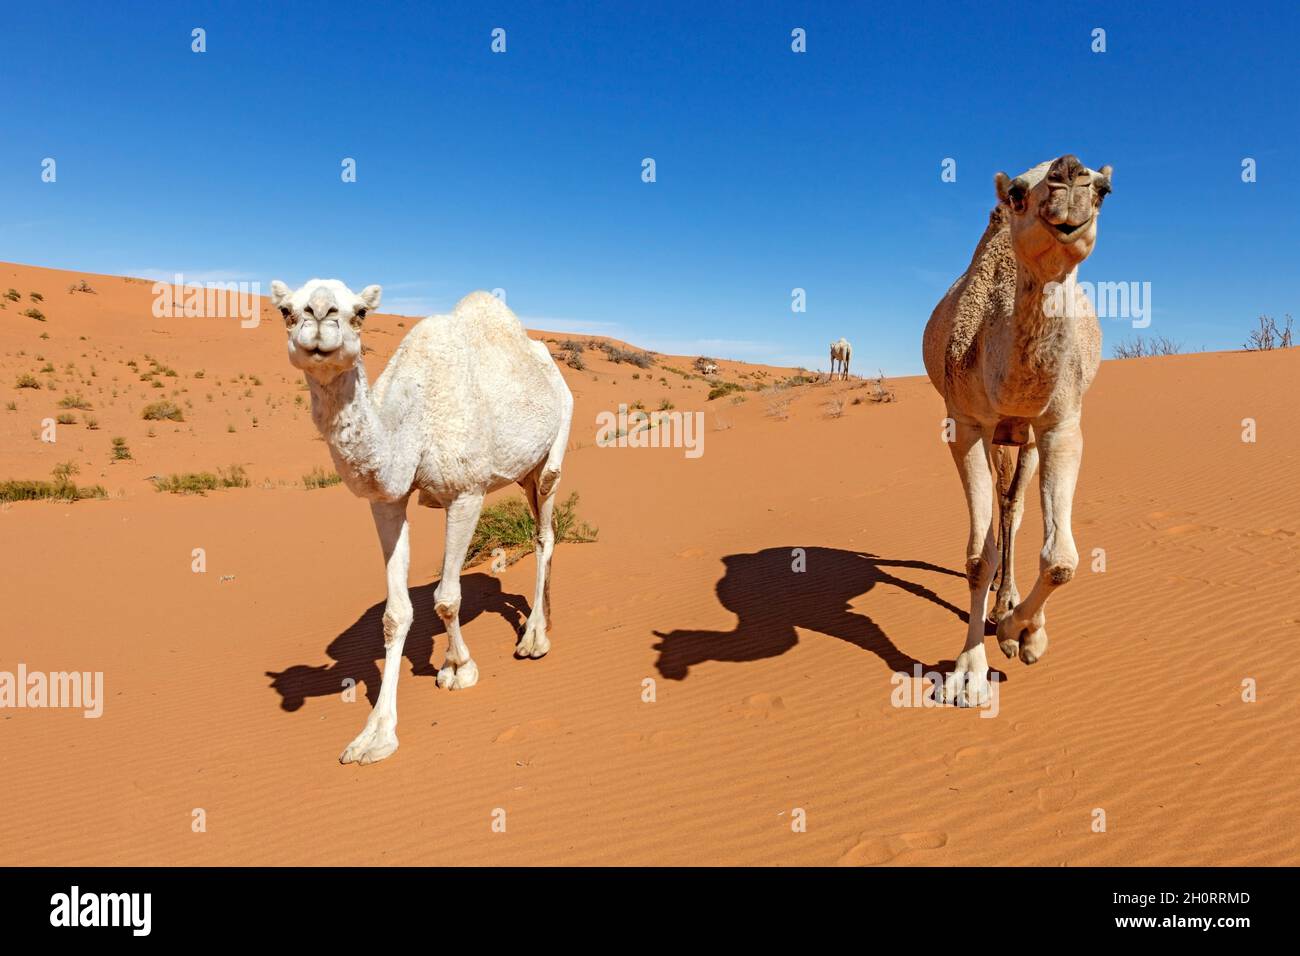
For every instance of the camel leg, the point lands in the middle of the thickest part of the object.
(378, 739)
(458, 671)
(535, 642)
(1061, 448)
(844, 366)
(1012, 488)
(973, 452)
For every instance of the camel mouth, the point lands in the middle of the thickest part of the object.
(1064, 231)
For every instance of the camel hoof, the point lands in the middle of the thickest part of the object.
(1009, 648)
(968, 684)
(370, 746)
(1033, 646)
(458, 676)
(534, 643)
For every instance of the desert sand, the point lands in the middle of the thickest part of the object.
(773, 698)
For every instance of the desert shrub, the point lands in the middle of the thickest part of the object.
(835, 408)
(36, 297)
(201, 482)
(36, 314)
(81, 286)
(617, 355)
(61, 488)
(66, 418)
(320, 478)
(880, 390)
(161, 411)
(13, 295)
(1270, 335)
(511, 527)
(92, 422)
(120, 451)
(27, 380)
(74, 400)
(723, 388)
(1140, 347)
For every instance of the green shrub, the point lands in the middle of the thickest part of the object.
(162, 411)
(320, 478)
(510, 526)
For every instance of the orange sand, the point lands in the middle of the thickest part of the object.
(773, 689)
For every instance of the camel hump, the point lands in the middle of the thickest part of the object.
(480, 301)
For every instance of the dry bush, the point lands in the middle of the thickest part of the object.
(1270, 335)
(834, 408)
(1142, 348)
(880, 390)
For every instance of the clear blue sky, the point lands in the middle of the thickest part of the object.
(775, 170)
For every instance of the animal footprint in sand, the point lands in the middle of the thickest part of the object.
(767, 706)
(533, 729)
(874, 850)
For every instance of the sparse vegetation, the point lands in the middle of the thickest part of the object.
(36, 297)
(201, 482)
(511, 527)
(81, 286)
(1140, 347)
(1270, 335)
(724, 388)
(61, 488)
(618, 355)
(13, 295)
(66, 418)
(36, 314)
(27, 380)
(74, 400)
(835, 408)
(120, 451)
(163, 411)
(320, 478)
(880, 390)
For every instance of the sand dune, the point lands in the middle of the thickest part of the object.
(772, 689)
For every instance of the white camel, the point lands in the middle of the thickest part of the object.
(841, 351)
(468, 404)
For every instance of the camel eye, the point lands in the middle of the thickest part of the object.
(288, 315)
(361, 313)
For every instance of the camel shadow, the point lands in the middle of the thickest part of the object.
(770, 599)
(359, 649)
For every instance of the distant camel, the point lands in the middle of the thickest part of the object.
(468, 404)
(1012, 347)
(841, 351)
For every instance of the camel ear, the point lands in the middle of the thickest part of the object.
(370, 296)
(1010, 191)
(280, 294)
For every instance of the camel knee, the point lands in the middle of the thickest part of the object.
(1060, 574)
(980, 570)
(546, 482)
(397, 621)
(446, 604)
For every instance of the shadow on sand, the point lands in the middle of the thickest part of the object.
(358, 650)
(771, 600)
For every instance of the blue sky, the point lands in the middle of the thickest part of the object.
(775, 170)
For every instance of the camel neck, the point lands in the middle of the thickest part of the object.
(1041, 346)
(361, 444)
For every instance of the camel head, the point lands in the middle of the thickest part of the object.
(323, 320)
(1053, 213)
